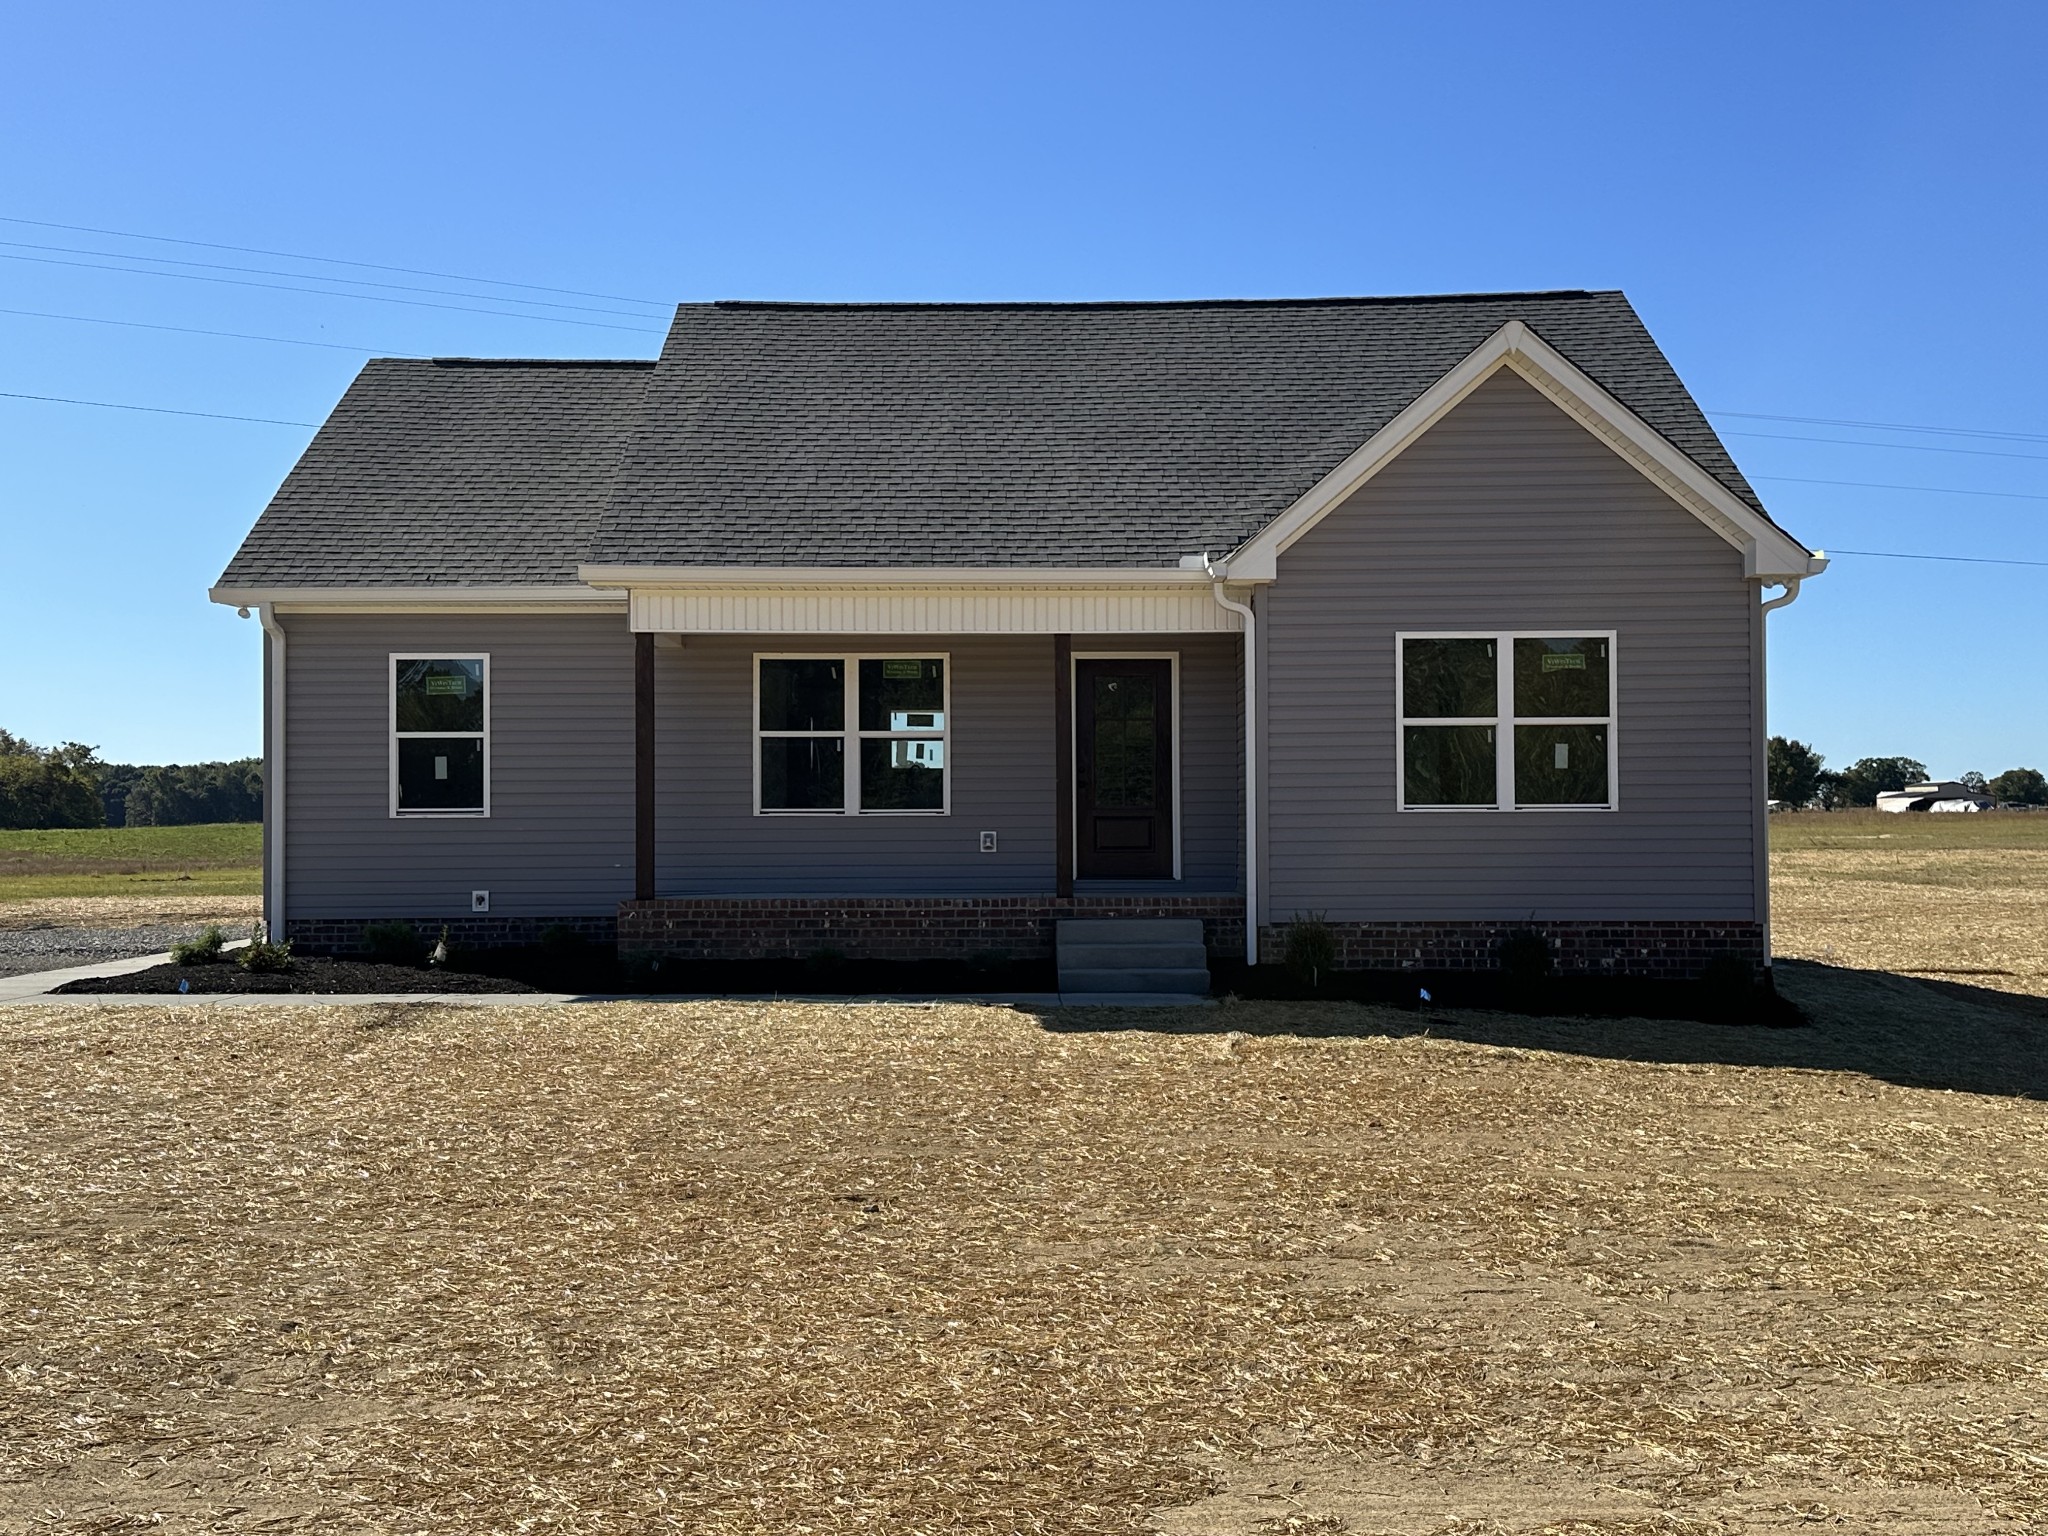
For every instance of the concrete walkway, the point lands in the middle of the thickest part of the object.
(38, 988)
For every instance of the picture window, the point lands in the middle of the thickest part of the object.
(1506, 722)
(852, 735)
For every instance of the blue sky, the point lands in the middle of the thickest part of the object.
(1822, 210)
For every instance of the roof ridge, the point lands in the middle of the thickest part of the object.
(1310, 302)
(527, 362)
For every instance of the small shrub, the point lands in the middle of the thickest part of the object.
(262, 955)
(204, 950)
(558, 941)
(1311, 949)
(393, 943)
(1525, 956)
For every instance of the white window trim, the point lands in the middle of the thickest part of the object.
(851, 732)
(391, 718)
(1505, 721)
(1074, 743)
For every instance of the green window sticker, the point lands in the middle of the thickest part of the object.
(455, 685)
(907, 669)
(1564, 661)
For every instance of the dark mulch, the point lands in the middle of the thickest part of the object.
(307, 973)
(599, 969)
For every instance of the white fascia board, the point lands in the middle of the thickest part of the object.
(508, 599)
(787, 576)
(1767, 550)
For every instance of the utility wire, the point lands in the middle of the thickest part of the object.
(336, 261)
(1932, 490)
(1885, 426)
(1850, 442)
(315, 277)
(191, 330)
(155, 410)
(325, 293)
(1888, 554)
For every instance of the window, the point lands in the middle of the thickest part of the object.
(1506, 722)
(851, 735)
(440, 736)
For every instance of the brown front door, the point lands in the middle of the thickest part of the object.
(1123, 769)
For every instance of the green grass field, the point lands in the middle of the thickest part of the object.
(215, 860)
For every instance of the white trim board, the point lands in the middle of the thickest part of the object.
(1769, 553)
(420, 599)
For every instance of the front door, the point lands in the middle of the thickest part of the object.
(1123, 769)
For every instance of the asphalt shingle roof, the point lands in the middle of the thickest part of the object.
(901, 435)
(449, 472)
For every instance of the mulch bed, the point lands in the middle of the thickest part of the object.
(307, 973)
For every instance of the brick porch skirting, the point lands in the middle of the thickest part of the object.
(895, 927)
(1670, 951)
(344, 935)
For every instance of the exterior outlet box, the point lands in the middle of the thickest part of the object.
(479, 901)
(988, 842)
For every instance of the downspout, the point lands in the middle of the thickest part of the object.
(1217, 575)
(273, 776)
(1816, 563)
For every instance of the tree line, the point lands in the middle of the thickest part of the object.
(1800, 777)
(68, 786)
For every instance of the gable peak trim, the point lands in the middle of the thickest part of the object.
(1767, 549)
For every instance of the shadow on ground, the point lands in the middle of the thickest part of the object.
(1907, 1030)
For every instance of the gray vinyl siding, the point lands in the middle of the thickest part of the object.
(1509, 516)
(710, 842)
(559, 839)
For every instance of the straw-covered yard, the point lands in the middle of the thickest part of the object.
(1261, 1268)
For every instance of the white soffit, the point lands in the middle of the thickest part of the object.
(1181, 608)
(1768, 551)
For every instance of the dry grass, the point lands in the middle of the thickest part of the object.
(235, 913)
(1265, 1268)
(1960, 896)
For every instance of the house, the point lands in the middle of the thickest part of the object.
(911, 630)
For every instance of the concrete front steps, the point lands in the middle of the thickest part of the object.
(1159, 955)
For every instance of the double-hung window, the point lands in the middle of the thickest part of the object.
(440, 736)
(1506, 722)
(851, 735)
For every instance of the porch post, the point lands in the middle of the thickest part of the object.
(1063, 765)
(643, 766)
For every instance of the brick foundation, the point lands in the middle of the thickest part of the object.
(1668, 951)
(896, 928)
(344, 935)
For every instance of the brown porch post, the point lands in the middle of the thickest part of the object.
(643, 767)
(1063, 765)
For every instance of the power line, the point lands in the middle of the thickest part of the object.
(1885, 426)
(313, 277)
(336, 261)
(191, 330)
(155, 410)
(1889, 554)
(1932, 490)
(326, 293)
(1850, 442)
